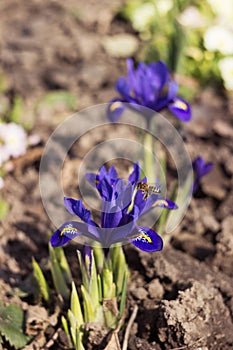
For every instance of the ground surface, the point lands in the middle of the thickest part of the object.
(185, 292)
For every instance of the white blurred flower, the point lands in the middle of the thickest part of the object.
(191, 17)
(222, 8)
(164, 6)
(142, 16)
(1, 183)
(13, 141)
(218, 38)
(226, 68)
(34, 140)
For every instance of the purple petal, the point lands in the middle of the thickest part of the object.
(135, 175)
(112, 173)
(93, 179)
(120, 234)
(165, 203)
(72, 229)
(200, 169)
(172, 90)
(198, 164)
(105, 189)
(111, 217)
(160, 74)
(76, 207)
(123, 88)
(181, 109)
(131, 74)
(147, 240)
(115, 109)
(208, 167)
(65, 233)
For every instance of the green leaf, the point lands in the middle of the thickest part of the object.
(100, 291)
(89, 314)
(119, 267)
(59, 251)
(73, 325)
(11, 325)
(123, 294)
(57, 275)
(93, 287)
(75, 305)
(41, 281)
(109, 288)
(16, 110)
(12, 313)
(4, 208)
(57, 99)
(1, 341)
(15, 337)
(99, 256)
(66, 329)
(79, 344)
(84, 273)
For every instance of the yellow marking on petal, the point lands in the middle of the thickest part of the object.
(115, 105)
(66, 229)
(181, 105)
(143, 235)
(149, 240)
(161, 201)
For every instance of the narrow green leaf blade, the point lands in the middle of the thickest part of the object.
(41, 281)
(57, 275)
(75, 305)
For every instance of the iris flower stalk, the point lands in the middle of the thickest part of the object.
(148, 86)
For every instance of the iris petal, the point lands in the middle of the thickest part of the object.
(147, 240)
(165, 203)
(181, 109)
(115, 109)
(123, 87)
(64, 234)
(200, 169)
(75, 207)
(135, 175)
(160, 74)
(92, 178)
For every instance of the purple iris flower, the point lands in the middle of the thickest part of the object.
(122, 205)
(149, 86)
(200, 169)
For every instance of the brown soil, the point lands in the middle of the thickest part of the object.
(185, 292)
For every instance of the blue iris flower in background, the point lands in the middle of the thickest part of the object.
(200, 169)
(122, 206)
(149, 86)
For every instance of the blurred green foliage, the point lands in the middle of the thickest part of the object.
(173, 31)
(4, 208)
